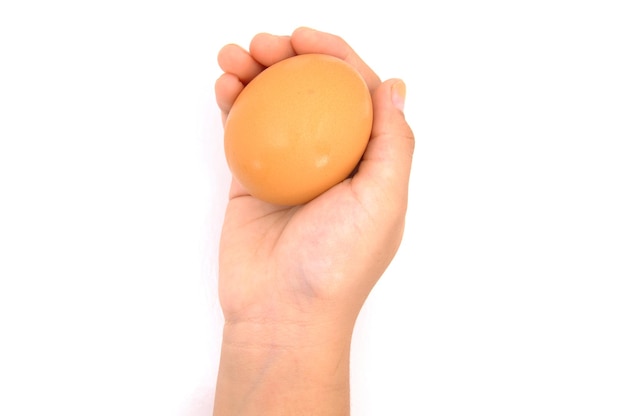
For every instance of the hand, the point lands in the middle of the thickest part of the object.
(294, 278)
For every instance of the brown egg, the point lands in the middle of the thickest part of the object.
(298, 128)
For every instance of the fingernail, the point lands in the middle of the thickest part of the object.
(398, 94)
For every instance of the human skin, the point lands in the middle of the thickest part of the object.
(292, 279)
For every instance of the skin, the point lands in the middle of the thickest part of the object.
(294, 278)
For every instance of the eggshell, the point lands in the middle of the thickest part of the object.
(298, 128)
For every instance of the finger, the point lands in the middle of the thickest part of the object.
(235, 60)
(386, 164)
(227, 88)
(305, 40)
(268, 49)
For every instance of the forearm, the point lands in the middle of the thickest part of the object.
(288, 369)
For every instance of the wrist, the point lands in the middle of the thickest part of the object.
(294, 367)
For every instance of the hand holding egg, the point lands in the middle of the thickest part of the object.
(305, 236)
(300, 113)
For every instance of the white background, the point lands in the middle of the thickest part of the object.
(507, 296)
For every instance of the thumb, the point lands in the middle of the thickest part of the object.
(384, 170)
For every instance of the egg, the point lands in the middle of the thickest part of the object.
(298, 128)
